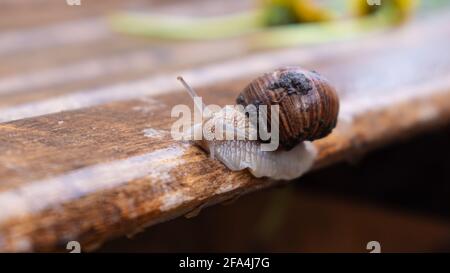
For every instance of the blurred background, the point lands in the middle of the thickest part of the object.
(395, 195)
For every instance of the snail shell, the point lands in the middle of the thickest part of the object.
(309, 105)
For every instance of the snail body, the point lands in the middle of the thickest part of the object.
(281, 165)
(308, 110)
(247, 153)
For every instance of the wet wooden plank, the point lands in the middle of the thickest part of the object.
(118, 77)
(86, 23)
(44, 80)
(58, 61)
(22, 14)
(93, 171)
(265, 222)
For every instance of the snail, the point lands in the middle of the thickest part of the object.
(306, 107)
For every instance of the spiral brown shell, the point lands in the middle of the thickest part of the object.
(309, 105)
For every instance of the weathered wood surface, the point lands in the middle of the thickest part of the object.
(91, 158)
(265, 221)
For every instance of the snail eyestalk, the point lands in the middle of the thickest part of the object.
(190, 90)
(198, 103)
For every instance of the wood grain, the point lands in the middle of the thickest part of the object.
(82, 165)
(292, 219)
